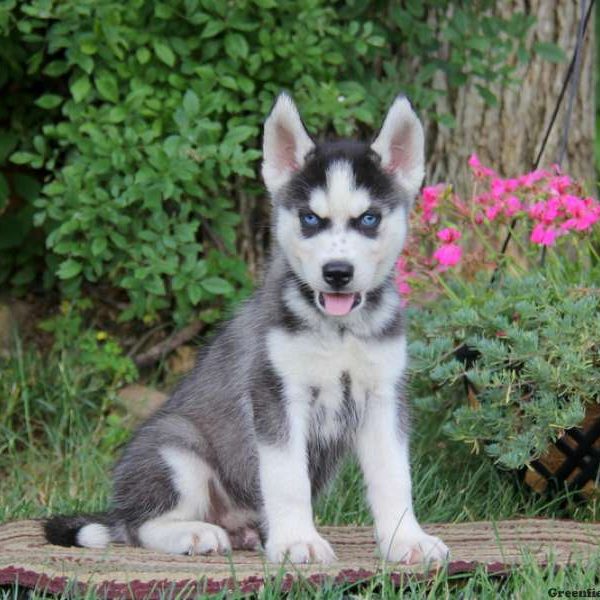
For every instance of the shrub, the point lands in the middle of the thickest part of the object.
(534, 361)
(514, 357)
(142, 119)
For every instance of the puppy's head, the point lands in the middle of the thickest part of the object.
(341, 208)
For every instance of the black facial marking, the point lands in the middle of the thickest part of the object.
(358, 225)
(289, 320)
(310, 230)
(365, 165)
(394, 327)
(373, 297)
(305, 290)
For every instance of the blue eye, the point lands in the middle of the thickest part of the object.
(370, 220)
(310, 219)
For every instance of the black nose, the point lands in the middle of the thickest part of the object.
(338, 273)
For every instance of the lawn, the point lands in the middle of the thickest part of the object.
(60, 432)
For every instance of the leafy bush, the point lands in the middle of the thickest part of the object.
(514, 357)
(142, 119)
(534, 359)
(93, 354)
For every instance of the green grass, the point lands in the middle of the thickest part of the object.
(60, 431)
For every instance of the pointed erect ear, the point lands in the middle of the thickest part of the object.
(285, 144)
(401, 145)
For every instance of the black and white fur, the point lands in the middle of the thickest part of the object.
(239, 451)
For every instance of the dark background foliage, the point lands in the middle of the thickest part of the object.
(130, 131)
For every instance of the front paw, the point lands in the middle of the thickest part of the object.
(413, 548)
(302, 549)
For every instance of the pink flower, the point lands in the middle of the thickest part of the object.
(586, 221)
(543, 236)
(529, 179)
(512, 205)
(569, 224)
(560, 183)
(431, 198)
(492, 212)
(402, 275)
(478, 168)
(448, 255)
(497, 186)
(585, 212)
(551, 210)
(536, 211)
(449, 235)
(403, 287)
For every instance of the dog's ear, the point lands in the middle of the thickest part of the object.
(401, 145)
(285, 143)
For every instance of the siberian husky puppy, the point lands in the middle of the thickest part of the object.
(311, 367)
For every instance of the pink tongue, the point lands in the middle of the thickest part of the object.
(338, 304)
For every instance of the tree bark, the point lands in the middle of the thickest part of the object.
(507, 137)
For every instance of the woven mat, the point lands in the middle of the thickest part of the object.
(125, 572)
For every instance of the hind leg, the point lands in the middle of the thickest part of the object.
(183, 537)
(202, 519)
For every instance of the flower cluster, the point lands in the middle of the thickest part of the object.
(449, 253)
(553, 202)
(550, 203)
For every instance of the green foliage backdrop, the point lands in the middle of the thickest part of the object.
(130, 131)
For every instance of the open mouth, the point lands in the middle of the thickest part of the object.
(338, 305)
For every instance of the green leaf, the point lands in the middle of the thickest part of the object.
(99, 246)
(239, 134)
(377, 41)
(8, 142)
(487, 95)
(212, 28)
(24, 276)
(80, 88)
(217, 285)
(550, 52)
(478, 43)
(163, 11)
(195, 293)
(236, 45)
(155, 285)
(69, 268)
(191, 104)
(48, 101)
(143, 55)
(164, 52)
(117, 114)
(106, 84)
(23, 158)
(56, 68)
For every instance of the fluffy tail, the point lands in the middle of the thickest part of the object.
(88, 531)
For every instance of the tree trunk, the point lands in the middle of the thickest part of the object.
(507, 137)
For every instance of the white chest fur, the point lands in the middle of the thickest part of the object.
(324, 369)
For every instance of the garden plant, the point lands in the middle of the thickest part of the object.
(525, 340)
(131, 207)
